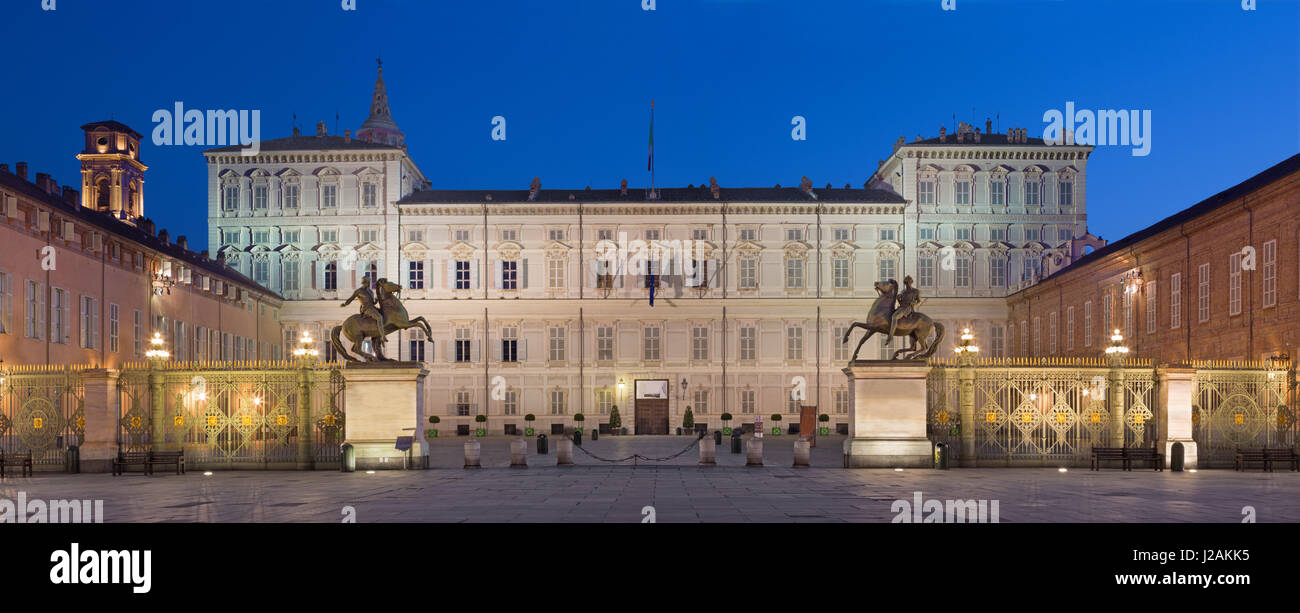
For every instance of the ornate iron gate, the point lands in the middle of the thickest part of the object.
(234, 415)
(1241, 405)
(42, 410)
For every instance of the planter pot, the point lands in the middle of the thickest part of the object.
(577, 430)
(480, 432)
(529, 432)
(776, 431)
(824, 431)
(430, 433)
(726, 431)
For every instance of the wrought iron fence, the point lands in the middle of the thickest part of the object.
(1242, 404)
(234, 414)
(42, 410)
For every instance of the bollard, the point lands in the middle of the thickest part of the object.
(595, 434)
(941, 456)
(472, 450)
(1176, 457)
(754, 452)
(73, 459)
(564, 453)
(802, 453)
(708, 452)
(542, 446)
(717, 437)
(577, 437)
(518, 453)
(347, 458)
(735, 441)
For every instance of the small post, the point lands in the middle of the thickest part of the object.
(802, 453)
(472, 451)
(518, 453)
(754, 452)
(564, 452)
(708, 452)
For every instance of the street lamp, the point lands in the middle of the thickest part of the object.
(306, 350)
(967, 349)
(156, 350)
(1117, 350)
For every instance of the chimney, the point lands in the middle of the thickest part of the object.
(43, 182)
(204, 253)
(70, 195)
(622, 188)
(21, 170)
(163, 236)
(988, 125)
(713, 187)
(146, 225)
(943, 134)
(347, 136)
(182, 243)
(977, 135)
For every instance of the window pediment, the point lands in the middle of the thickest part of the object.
(462, 251)
(327, 171)
(891, 246)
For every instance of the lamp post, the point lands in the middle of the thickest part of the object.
(157, 356)
(1116, 353)
(966, 351)
(306, 355)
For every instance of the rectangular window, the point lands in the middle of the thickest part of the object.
(748, 273)
(510, 274)
(329, 236)
(6, 302)
(793, 234)
(261, 236)
(650, 343)
(1069, 329)
(963, 234)
(1270, 273)
(509, 344)
(748, 234)
(1065, 193)
(510, 402)
(841, 402)
(700, 402)
(369, 195)
(888, 234)
(89, 323)
(1234, 284)
(230, 237)
(331, 276)
(605, 343)
(997, 338)
(555, 273)
(415, 236)
(137, 332)
(1128, 314)
(748, 343)
(460, 236)
(998, 193)
(462, 274)
(291, 236)
(291, 196)
(1033, 234)
(1107, 319)
(261, 271)
(604, 400)
(748, 399)
(1051, 333)
(112, 327)
(843, 234)
(369, 235)
(555, 343)
(700, 343)
(699, 234)
(464, 344)
(417, 346)
(925, 191)
(997, 234)
(259, 197)
(998, 271)
(35, 316)
(415, 275)
(841, 349)
(1032, 194)
(963, 192)
(603, 234)
(1024, 338)
(888, 268)
(1087, 324)
(1038, 337)
(794, 273)
(230, 201)
(1151, 307)
(559, 404)
(840, 273)
(652, 235)
(464, 403)
(1203, 293)
(1064, 234)
(925, 234)
(555, 234)
(329, 196)
(1175, 300)
(963, 272)
(924, 272)
(794, 343)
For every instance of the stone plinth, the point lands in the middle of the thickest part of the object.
(1177, 386)
(887, 415)
(383, 401)
(100, 444)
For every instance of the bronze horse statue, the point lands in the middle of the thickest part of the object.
(359, 328)
(916, 326)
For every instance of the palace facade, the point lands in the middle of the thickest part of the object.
(528, 319)
(87, 279)
(1219, 280)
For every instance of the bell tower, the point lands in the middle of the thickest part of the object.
(112, 177)
(380, 127)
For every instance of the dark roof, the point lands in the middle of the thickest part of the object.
(985, 139)
(111, 125)
(309, 143)
(1221, 199)
(112, 225)
(667, 194)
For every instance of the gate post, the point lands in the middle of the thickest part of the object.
(103, 417)
(306, 457)
(966, 403)
(157, 425)
(1176, 388)
(1115, 397)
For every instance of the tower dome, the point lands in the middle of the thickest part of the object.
(380, 127)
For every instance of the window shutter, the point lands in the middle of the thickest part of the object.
(591, 273)
(40, 311)
(496, 351)
(523, 274)
(521, 350)
(451, 274)
(496, 277)
(714, 273)
(474, 353)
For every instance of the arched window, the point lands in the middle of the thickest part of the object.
(101, 192)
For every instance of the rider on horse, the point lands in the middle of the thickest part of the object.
(907, 301)
(367, 300)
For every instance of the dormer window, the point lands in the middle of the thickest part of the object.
(843, 234)
(748, 234)
(460, 236)
(888, 234)
(794, 234)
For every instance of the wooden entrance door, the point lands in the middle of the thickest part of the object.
(651, 416)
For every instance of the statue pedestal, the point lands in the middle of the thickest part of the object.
(384, 400)
(887, 415)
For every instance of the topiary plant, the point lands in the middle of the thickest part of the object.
(615, 422)
(688, 419)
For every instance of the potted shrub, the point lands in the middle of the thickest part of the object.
(615, 422)
(578, 418)
(528, 429)
(776, 424)
(481, 430)
(726, 424)
(432, 432)
(824, 430)
(688, 421)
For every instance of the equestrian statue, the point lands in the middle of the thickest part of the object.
(894, 314)
(381, 314)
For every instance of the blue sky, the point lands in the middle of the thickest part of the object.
(574, 80)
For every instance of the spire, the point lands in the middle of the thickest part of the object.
(380, 127)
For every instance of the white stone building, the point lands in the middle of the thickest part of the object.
(525, 320)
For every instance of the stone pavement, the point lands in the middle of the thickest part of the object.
(679, 491)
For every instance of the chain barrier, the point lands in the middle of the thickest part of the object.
(636, 456)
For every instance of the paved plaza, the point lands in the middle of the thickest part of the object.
(678, 490)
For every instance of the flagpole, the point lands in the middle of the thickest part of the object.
(652, 195)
